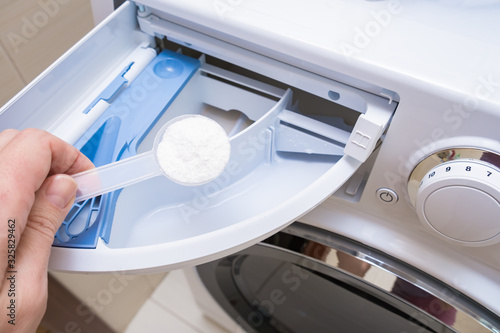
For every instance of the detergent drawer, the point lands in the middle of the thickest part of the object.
(296, 137)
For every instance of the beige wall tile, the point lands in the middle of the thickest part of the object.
(10, 80)
(36, 32)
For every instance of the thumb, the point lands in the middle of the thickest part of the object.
(53, 201)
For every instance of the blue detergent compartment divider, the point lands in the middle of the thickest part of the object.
(116, 135)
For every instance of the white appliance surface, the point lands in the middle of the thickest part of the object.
(371, 39)
(434, 62)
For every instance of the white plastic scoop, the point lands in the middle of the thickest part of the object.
(189, 150)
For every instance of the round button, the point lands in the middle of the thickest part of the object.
(459, 200)
(451, 211)
(387, 196)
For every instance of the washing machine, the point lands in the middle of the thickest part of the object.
(363, 189)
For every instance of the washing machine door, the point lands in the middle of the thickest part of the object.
(308, 280)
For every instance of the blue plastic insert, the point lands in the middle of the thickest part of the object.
(116, 135)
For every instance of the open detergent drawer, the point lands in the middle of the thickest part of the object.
(295, 139)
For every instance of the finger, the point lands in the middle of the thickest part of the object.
(6, 136)
(52, 203)
(34, 154)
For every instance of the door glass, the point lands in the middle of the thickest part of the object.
(291, 283)
(289, 297)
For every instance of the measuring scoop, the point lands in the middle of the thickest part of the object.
(190, 150)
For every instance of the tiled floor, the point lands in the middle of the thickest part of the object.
(172, 308)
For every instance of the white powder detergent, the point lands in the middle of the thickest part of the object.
(193, 150)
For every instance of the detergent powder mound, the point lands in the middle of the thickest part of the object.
(193, 150)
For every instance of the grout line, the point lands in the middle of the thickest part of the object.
(9, 57)
(184, 320)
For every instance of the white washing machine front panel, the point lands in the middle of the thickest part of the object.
(331, 115)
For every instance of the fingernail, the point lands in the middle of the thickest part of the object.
(61, 190)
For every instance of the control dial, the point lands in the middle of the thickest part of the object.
(456, 193)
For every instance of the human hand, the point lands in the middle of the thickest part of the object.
(36, 194)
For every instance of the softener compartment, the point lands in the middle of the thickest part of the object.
(295, 138)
